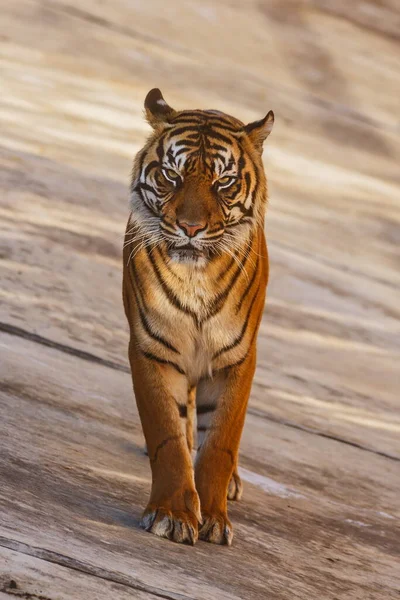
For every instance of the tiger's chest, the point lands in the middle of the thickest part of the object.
(197, 322)
(198, 328)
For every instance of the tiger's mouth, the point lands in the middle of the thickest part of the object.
(188, 254)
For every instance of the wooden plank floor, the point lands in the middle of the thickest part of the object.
(320, 456)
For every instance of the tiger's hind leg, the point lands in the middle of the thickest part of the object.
(235, 487)
(205, 409)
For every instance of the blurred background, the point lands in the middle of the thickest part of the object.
(74, 76)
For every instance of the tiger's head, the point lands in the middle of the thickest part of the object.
(198, 185)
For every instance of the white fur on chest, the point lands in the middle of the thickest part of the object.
(197, 338)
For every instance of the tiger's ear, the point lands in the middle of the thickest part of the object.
(157, 110)
(258, 131)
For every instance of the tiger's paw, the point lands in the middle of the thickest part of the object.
(177, 526)
(216, 529)
(176, 519)
(235, 487)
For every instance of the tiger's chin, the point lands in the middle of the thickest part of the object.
(188, 255)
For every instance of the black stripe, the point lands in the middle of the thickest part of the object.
(228, 128)
(234, 223)
(224, 120)
(192, 122)
(220, 299)
(190, 168)
(217, 234)
(168, 292)
(217, 227)
(213, 120)
(138, 189)
(249, 285)
(242, 333)
(216, 135)
(202, 428)
(257, 180)
(184, 129)
(217, 147)
(164, 443)
(167, 226)
(241, 162)
(148, 329)
(170, 154)
(147, 188)
(197, 114)
(248, 212)
(234, 204)
(135, 279)
(151, 356)
(222, 158)
(229, 196)
(180, 151)
(166, 266)
(241, 360)
(204, 117)
(173, 299)
(231, 366)
(141, 163)
(152, 165)
(182, 408)
(228, 268)
(186, 144)
(160, 147)
(207, 119)
(202, 409)
(247, 180)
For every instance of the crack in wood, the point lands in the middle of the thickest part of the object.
(38, 339)
(328, 436)
(83, 567)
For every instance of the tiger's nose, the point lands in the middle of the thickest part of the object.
(191, 229)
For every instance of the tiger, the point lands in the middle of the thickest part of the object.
(195, 272)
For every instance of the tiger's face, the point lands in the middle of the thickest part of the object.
(198, 185)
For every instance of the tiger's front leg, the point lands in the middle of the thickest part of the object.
(173, 510)
(222, 403)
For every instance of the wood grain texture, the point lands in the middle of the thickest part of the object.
(320, 453)
(315, 513)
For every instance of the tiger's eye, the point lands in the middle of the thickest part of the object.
(171, 175)
(226, 181)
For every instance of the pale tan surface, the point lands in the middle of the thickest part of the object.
(319, 518)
